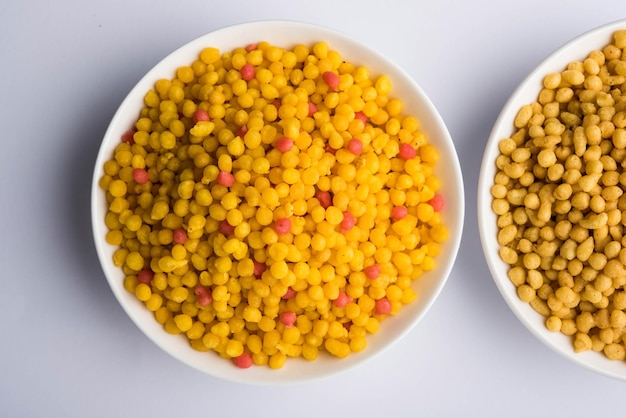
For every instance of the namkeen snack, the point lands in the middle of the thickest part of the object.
(559, 198)
(271, 203)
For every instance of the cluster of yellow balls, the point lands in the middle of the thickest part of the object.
(273, 203)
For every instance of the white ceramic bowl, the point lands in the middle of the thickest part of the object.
(526, 93)
(287, 34)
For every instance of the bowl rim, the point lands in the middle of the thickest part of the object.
(215, 38)
(525, 93)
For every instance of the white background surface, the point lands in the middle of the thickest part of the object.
(66, 347)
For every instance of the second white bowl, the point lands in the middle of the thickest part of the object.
(527, 92)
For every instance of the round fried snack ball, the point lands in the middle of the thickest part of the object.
(558, 196)
(274, 203)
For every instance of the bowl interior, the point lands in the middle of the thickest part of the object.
(526, 93)
(287, 34)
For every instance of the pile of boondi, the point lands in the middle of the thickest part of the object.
(273, 203)
(559, 197)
